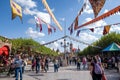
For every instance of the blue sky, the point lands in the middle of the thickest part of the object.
(65, 12)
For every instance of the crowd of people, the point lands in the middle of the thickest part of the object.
(96, 64)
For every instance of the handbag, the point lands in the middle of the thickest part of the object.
(104, 77)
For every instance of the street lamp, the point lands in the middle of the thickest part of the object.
(65, 45)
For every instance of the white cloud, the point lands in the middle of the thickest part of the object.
(34, 34)
(27, 3)
(30, 8)
(88, 10)
(105, 11)
(31, 21)
(115, 28)
(88, 19)
(88, 38)
(53, 9)
(44, 16)
(54, 45)
(62, 19)
(42, 42)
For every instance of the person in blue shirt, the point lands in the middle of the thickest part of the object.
(18, 67)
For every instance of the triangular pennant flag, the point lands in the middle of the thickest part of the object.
(49, 29)
(53, 28)
(71, 28)
(78, 32)
(16, 10)
(76, 23)
(97, 6)
(106, 29)
(92, 29)
(38, 23)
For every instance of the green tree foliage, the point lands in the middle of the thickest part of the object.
(103, 42)
(23, 44)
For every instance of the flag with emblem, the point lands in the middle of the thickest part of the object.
(16, 10)
(97, 5)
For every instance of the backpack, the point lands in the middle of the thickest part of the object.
(97, 68)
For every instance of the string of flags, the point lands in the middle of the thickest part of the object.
(105, 15)
(97, 5)
(51, 14)
(75, 22)
(16, 10)
(105, 30)
(55, 40)
(39, 22)
(72, 39)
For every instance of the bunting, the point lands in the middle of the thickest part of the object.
(83, 7)
(92, 29)
(76, 23)
(53, 28)
(38, 23)
(71, 29)
(107, 14)
(49, 29)
(16, 10)
(97, 6)
(106, 29)
(51, 14)
(78, 32)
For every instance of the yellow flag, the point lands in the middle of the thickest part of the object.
(16, 10)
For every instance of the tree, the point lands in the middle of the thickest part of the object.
(102, 42)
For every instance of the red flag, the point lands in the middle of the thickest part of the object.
(97, 5)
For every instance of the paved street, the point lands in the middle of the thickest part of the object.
(65, 73)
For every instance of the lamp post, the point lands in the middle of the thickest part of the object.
(65, 45)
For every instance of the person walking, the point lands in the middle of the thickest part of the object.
(96, 70)
(84, 63)
(18, 67)
(56, 65)
(78, 64)
(37, 64)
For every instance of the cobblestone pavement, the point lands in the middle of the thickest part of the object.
(64, 73)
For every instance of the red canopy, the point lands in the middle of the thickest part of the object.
(4, 51)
